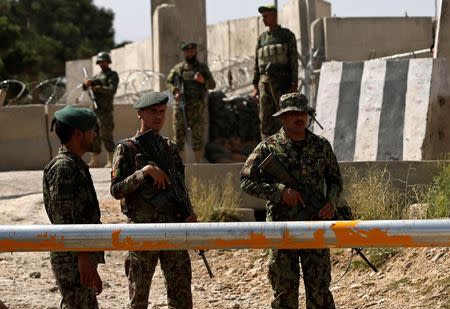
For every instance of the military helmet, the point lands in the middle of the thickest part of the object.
(103, 56)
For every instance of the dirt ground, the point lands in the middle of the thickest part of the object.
(412, 278)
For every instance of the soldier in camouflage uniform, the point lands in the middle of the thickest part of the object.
(276, 69)
(136, 183)
(194, 79)
(104, 86)
(310, 158)
(70, 198)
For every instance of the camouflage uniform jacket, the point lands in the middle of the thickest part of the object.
(105, 86)
(69, 194)
(290, 70)
(185, 72)
(311, 160)
(135, 190)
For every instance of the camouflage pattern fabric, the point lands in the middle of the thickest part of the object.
(176, 267)
(284, 275)
(195, 114)
(74, 294)
(313, 161)
(105, 86)
(278, 80)
(136, 191)
(269, 96)
(70, 198)
(195, 99)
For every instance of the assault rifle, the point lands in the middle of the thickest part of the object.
(273, 168)
(182, 105)
(152, 146)
(89, 89)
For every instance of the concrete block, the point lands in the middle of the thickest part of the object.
(355, 38)
(74, 78)
(385, 110)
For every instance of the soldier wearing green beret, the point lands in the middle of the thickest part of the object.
(190, 80)
(310, 159)
(70, 198)
(276, 68)
(136, 180)
(104, 85)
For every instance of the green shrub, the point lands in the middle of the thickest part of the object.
(438, 196)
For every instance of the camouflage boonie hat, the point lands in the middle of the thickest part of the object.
(189, 45)
(294, 102)
(267, 8)
(151, 99)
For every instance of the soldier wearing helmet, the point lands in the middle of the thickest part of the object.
(104, 86)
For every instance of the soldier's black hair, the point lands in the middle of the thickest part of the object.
(63, 131)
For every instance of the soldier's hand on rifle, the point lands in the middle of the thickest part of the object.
(159, 176)
(292, 197)
(327, 211)
(88, 272)
(87, 83)
(255, 92)
(199, 78)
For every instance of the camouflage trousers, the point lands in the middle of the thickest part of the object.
(269, 97)
(74, 294)
(284, 275)
(196, 115)
(104, 132)
(176, 267)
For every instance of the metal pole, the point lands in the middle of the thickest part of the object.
(253, 235)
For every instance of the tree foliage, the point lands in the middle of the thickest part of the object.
(38, 36)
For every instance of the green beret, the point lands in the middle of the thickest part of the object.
(77, 117)
(294, 102)
(189, 45)
(267, 8)
(151, 99)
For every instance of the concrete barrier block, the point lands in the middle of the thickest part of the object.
(384, 110)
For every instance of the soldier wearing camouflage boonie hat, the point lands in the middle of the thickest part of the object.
(309, 159)
(294, 102)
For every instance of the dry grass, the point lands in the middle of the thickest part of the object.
(215, 202)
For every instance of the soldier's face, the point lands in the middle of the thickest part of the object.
(294, 122)
(190, 53)
(269, 18)
(87, 140)
(103, 64)
(153, 117)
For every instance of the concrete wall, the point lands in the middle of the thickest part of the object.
(27, 148)
(354, 39)
(75, 77)
(385, 110)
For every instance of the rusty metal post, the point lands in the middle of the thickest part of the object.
(253, 235)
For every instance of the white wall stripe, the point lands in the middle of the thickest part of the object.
(417, 103)
(328, 99)
(370, 102)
